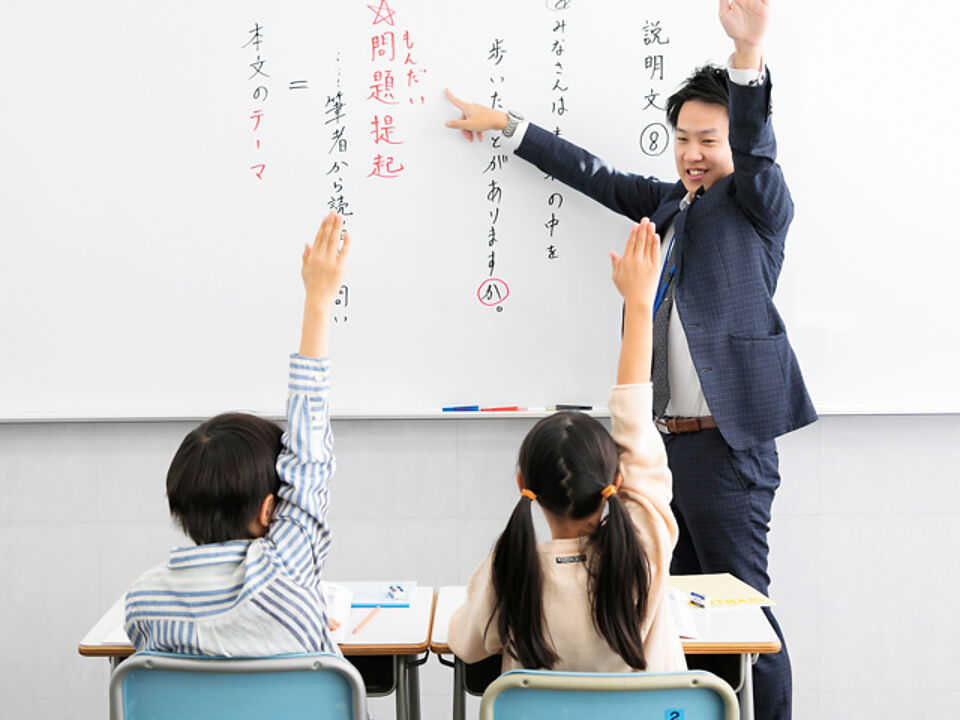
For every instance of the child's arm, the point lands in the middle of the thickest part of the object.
(472, 635)
(322, 271)
(635, 275)
(299, 531)
(646, 484)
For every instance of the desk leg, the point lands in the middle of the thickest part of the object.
(403, 689)
(459, 690)
(746, 690)
(413, 686)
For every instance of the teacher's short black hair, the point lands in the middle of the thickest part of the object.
(221, 474)
(707, 84)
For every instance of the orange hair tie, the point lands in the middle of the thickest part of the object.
(608, 491)
(528, 494)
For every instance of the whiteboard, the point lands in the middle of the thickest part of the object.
(149, 272)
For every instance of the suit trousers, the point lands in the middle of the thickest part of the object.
(722, 499)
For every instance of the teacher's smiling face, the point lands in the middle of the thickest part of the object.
(702, 148)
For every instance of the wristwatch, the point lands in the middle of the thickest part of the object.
(513, 120)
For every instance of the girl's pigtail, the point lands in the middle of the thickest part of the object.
(518, 587)
(620, 578)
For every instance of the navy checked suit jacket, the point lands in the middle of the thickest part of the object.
(729, 252)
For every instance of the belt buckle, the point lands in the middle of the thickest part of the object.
(662, 426)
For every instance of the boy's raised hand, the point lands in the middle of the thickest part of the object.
(324, 261)
(322, 272)
(636, 273)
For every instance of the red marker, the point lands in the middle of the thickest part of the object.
(512, 408)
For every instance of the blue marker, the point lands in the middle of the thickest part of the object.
(462, 408)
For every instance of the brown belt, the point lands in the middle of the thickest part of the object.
(686, 424)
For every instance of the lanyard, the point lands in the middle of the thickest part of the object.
(661, 286)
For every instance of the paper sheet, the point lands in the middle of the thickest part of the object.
(338, 599)
(682, 614)
(721, 589)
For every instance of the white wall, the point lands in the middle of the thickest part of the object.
(863, 562)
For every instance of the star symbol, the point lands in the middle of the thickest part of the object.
(383, 13)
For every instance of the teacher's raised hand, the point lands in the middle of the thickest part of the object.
(745, 22)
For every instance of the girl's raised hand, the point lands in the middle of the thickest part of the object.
(636, 273)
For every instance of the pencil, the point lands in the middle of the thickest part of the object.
(367, 619)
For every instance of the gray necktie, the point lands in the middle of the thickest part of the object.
(661, 323)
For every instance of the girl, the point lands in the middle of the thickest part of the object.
(594, 597)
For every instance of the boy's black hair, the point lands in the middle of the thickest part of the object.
(707, 84)
(567, 459)
(221, 474)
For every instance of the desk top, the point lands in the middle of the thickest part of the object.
(392, 631)
(721, 631)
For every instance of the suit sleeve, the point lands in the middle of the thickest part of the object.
(635, 196)
(761, 190)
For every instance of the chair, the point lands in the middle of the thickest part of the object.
(160, 686)
(535, 694)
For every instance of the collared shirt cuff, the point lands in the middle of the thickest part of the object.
(512, 143)
(746, 76)
(311, 363)
(308, 375)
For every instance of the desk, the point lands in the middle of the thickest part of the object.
(730, 631)
(395, 635)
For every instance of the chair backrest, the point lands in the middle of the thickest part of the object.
(533, 694)
(160, 686)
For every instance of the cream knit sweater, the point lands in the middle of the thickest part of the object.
(646, 493)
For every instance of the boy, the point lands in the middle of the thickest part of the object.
(254, 499)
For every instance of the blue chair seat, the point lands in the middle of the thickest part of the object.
(158, 686)
(544, 695)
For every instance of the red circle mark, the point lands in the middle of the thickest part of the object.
(499, 293)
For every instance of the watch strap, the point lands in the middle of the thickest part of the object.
(513, 121)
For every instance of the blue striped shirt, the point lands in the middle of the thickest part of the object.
(254, 597)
